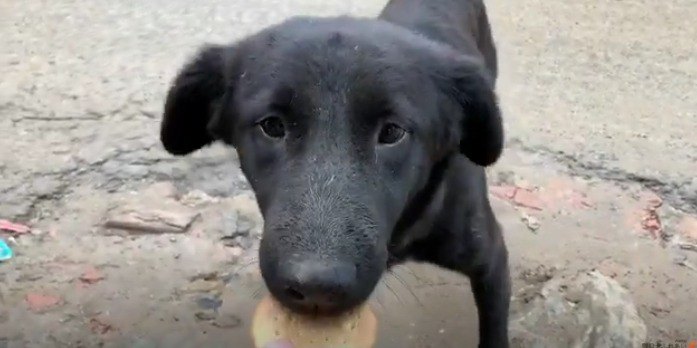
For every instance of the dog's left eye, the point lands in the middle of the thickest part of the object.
(391, 134)
(273, 127)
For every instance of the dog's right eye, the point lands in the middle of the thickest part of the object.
(391, 134)
(273, 127)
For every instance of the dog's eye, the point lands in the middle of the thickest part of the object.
(391, 134)
(273, 127)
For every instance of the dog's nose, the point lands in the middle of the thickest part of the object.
(314, 285)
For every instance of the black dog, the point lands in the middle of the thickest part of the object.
(365, 142)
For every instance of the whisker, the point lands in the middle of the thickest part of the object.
(393, 292)
(406, 286)
(258, 292)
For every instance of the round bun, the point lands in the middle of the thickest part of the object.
(272, 322)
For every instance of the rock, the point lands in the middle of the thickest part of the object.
(176, 219)
(227, 321)
(588, 310)
(204, 316)
(530, 221)
(91, 275)
(209, 303)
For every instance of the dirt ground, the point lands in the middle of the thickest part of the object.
(589, 179)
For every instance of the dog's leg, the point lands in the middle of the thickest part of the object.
(491, 286)
(485, 262)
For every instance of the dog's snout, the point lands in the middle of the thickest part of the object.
(316, 285)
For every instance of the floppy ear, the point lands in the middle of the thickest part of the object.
(481, 133)
(192, 102)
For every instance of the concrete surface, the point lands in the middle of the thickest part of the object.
(598, 96)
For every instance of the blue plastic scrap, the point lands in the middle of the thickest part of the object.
(5, 251)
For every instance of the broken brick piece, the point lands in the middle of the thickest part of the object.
(651, 223)
(137, 220)
(91, 276)
(687, 227)
(528, 199)
(504, 191)
(41, 302)
(14, 227)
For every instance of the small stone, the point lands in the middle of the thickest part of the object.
(91, 276)
(227, 321)
(99, 326)
(204, 316)
(211, 303)
(531, 222)
(200, 285)
(651, 223)
(196, 198)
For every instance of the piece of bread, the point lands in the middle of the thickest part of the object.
(272, 322)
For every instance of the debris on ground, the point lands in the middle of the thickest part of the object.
(530, 221)
(503, 191)
(682, 260)
(175, 220)
(5, 251)
(687, 228)
(197, 198)
(38, 303)
(14, 228)
(91, 276)
(522, 197)
(201, 285)
(650, 220)
(227, 321)
(99, 326)
(687, 246)
(204, 316)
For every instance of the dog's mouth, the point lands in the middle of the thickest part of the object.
(296, 302)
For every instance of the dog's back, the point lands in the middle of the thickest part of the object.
(462, 24)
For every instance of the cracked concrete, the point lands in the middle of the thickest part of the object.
(598, 94)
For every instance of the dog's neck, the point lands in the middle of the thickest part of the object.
(421, 213)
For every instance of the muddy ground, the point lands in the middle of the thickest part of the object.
(599, 172)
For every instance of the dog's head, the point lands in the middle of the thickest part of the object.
(338, 124)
